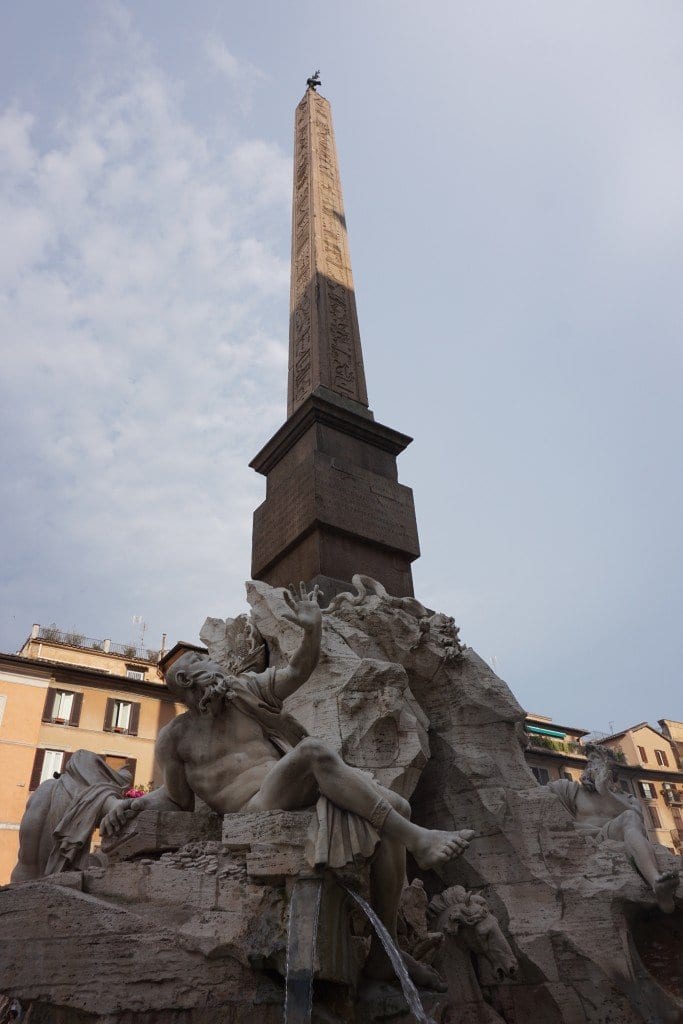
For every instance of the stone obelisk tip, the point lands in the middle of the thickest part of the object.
(314, 81)
(324, 339)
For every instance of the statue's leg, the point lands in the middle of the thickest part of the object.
(313, 766)
(630, 829)
(388, 869)
(387, 878)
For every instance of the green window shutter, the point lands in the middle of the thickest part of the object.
(37, 769)
(76, 706)
(48, 707)
(109, 715)
(134, 720)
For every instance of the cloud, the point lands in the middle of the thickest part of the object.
(143, 368)
(242, 74)
(221, 59)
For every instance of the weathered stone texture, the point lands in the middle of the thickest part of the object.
(195, 932)
(324, 339)
(333, 502)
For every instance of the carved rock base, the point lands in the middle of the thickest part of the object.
(188, 924)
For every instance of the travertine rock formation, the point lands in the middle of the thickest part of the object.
(569, 906)
(188, 922)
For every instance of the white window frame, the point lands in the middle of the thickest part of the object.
(62, 705)
(52, 762)
(120, 719)
(3, 705)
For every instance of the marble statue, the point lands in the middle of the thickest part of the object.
(237, 750)
(208, 903)
(457, 912)
(454, 913)
(63, 813)
(604, 812)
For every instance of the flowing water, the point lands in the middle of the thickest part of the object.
(302, 933)
(411, 995)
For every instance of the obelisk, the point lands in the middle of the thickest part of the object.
(333, 505)
(324, 340)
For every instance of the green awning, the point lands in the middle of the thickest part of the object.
(545, 732)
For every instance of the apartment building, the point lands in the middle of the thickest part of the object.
(63, 692)
(555, 751)
(653, 759)
(649, 767)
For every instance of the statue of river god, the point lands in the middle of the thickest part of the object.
(237, 750)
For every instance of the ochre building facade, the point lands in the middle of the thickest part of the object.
(63, 692)
(650, 767)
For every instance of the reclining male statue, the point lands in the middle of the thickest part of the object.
(602, 811)
(238, 751)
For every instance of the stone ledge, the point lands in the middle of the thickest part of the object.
(158, 831)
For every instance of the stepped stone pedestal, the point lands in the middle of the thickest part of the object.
(333, 501)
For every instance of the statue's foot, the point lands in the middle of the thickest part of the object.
(665, 888)
(433, 848)
(378, 967)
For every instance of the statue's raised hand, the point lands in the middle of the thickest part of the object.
(305, 610)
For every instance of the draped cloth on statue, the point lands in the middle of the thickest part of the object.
(337, 837)
(254, 695)
(77, 803)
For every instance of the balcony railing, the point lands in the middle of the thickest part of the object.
(567, 747)
(87, 643)
(561, 746)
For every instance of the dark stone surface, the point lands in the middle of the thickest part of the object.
(333, 502)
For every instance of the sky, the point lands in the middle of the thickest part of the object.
(513, 181)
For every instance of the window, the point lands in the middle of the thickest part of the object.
(45, 764)
(654, 815)
(62, 707)
(52, 762)
(662, 758)
(135, 673)
(541, 775)
(117, 762)
(643, 754)
(648, 790)
(121, 716)
(3, 705)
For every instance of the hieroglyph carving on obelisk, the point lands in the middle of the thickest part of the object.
(324, 340)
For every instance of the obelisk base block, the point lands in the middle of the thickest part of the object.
(334, 506)
(329, 560)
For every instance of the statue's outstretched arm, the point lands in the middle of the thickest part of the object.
(174, 795)
(305, 612)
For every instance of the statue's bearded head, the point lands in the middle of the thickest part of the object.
(200, 683)
(601, 763)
